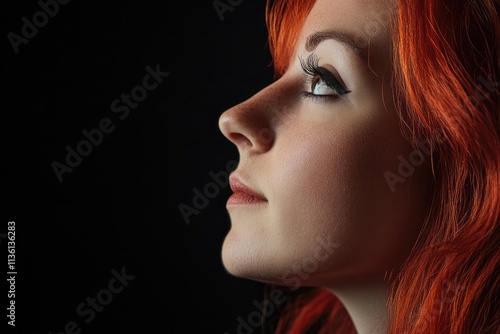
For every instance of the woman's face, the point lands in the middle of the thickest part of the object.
(316, 145)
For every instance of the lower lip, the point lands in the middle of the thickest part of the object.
(242, 199)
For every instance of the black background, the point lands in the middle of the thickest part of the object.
(119, 207)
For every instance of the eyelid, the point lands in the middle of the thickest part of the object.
(311, 68)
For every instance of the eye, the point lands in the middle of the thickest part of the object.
(320, 87)
(322, 83)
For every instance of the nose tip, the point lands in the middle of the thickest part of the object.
(224, 124)
(247, 128)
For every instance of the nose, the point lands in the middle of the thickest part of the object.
(249, 125)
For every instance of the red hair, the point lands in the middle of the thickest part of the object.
(446, 72)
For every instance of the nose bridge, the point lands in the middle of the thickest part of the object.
(249, 124)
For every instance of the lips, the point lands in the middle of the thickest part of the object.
(243, 194)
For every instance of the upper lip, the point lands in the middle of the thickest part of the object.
(237, 186)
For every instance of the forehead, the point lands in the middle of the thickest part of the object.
(365, 23)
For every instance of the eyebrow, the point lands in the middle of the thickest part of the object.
(347, 40)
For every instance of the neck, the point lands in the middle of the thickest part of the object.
(366, 304)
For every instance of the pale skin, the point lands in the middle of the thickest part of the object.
(329, 218)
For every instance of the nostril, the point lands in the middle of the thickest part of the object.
(240, 139)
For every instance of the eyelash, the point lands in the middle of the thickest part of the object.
(311, 69)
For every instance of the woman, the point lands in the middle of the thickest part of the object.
(369, 172)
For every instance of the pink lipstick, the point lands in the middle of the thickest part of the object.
(243, 194)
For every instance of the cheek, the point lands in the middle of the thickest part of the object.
(329, 185)
(315, 191)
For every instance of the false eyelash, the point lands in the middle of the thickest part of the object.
(311, 68)
(310, 65)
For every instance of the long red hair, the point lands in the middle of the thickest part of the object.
(446, 73)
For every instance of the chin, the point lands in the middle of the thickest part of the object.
(237, 260)
(244, 260)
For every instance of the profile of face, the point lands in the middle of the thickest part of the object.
(310, 202)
